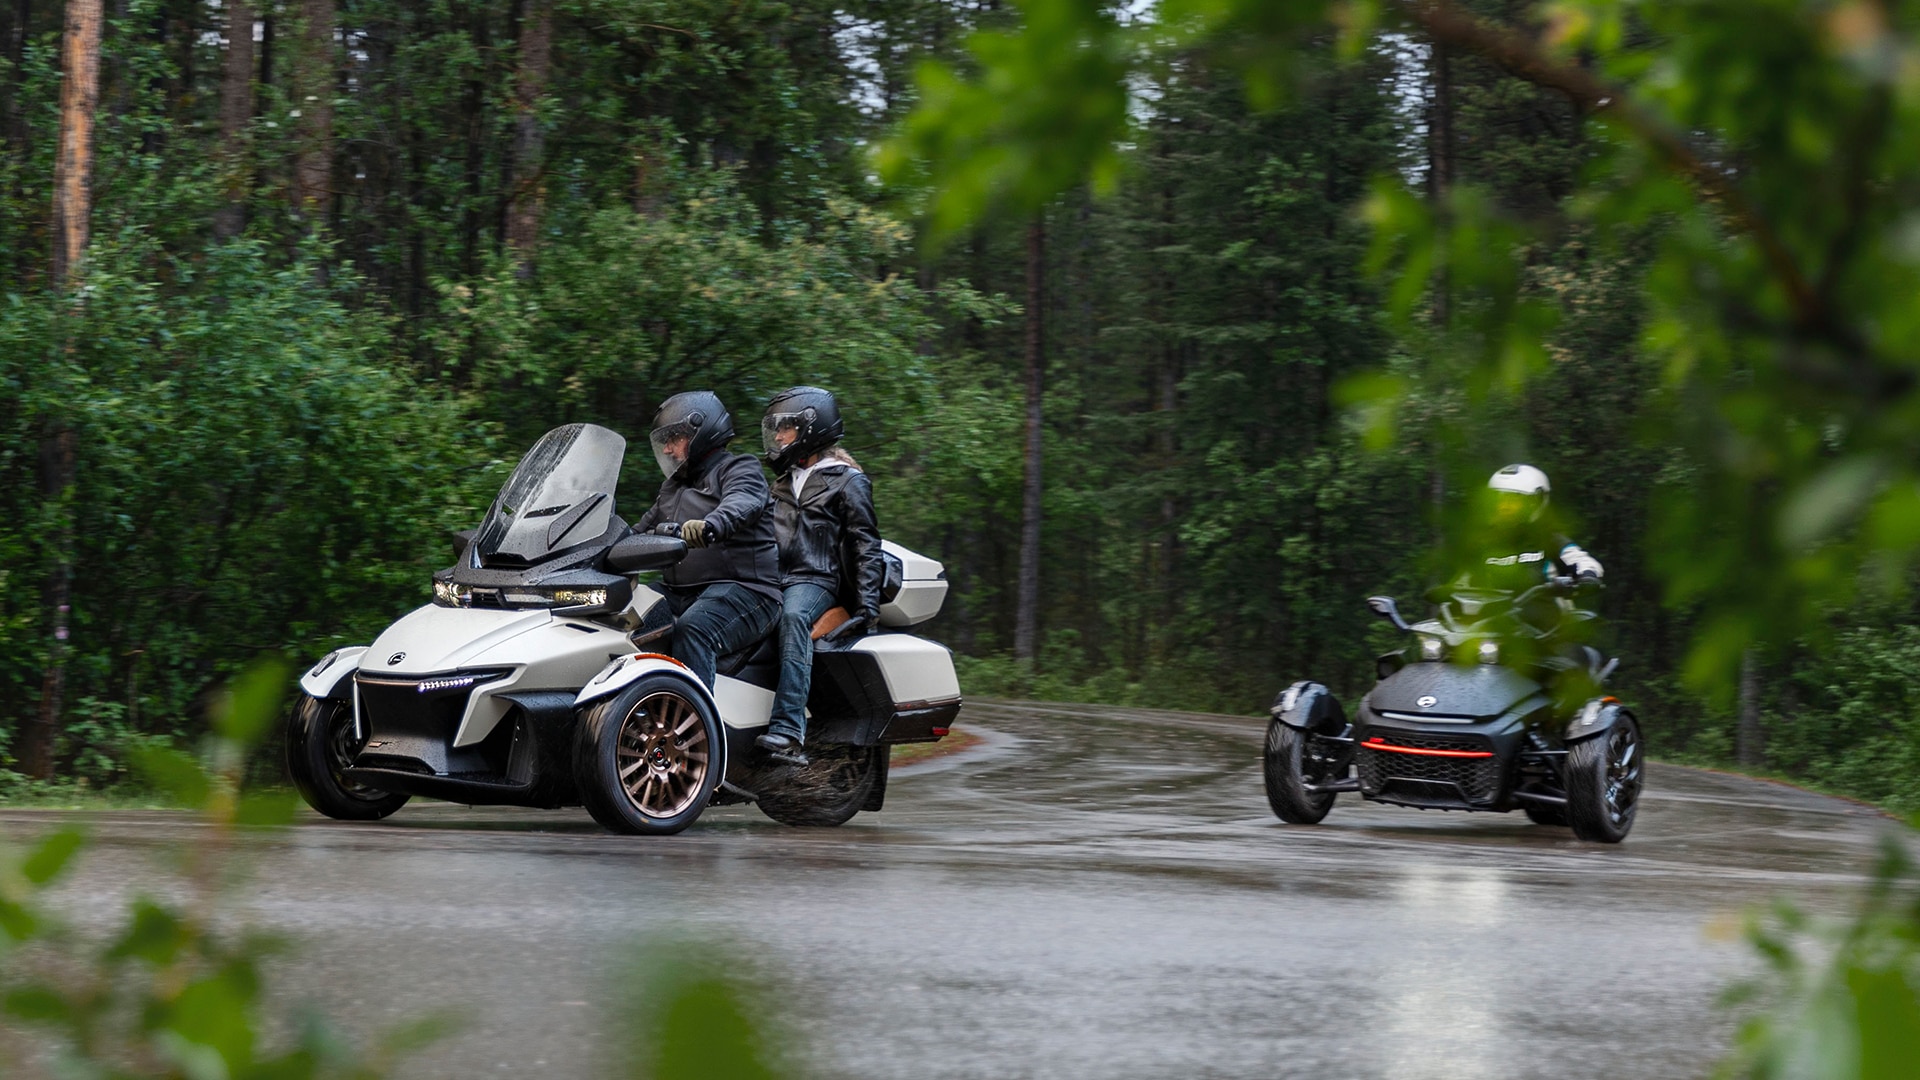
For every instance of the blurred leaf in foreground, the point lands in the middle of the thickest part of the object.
(701, 1022)
(1843, 1001)
(174, 992)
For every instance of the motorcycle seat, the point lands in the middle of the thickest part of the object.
(834, 618)
(758, 664)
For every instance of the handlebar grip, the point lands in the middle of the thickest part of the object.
(667, 528)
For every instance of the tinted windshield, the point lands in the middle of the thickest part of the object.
(561, 494)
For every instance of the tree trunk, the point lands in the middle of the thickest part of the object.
(72, 212)
(1027, 609)
(236, 113)
(1440, 176)
(73, 166)
(1748, 740)
(529, 142)
(313, 86)
(16, 45)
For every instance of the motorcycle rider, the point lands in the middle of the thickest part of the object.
(1518, 547)
(726, 592)
(829, 545)
(1521, 539)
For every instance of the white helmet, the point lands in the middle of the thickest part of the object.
(1525, 481)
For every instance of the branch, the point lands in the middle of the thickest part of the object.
(1523, 58)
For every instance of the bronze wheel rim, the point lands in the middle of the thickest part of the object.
(662, 755)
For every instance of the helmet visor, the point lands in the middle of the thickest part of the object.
(1513, 507)
(670, 445)
(779, 431)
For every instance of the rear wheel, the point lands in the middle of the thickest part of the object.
(320, 748)
(647, 759)
(1294, 761)
(1604, 777)
(834, 785)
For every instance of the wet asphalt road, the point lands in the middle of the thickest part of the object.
(1095, 892)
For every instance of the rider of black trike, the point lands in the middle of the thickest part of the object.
(1498, 704)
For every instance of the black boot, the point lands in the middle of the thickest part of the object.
(782, 748)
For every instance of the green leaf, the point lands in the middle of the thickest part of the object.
(1822, 505)
(37, 1002)
(251, 702)
(174, 774)
(52, 854)
(266, 809)
(156, 935)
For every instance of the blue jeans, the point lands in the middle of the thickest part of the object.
(800, 607)
(720, 619)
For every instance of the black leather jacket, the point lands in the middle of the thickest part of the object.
(729, 493)
(829, 537)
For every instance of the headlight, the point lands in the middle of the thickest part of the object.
(1432, 648)
(532, 597)
(1489, 652)
(448, 594)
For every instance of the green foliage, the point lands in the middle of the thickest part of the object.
(1047, 105)
(1849, 719)
(1776, 298)
(636, 307)
(700, 1022)
(169, 994)
(1843, 1001)
(251, 477)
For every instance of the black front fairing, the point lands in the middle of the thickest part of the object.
(1480, 691)
(1445, 736)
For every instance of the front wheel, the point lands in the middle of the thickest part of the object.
(320, 748)
(834, 785)
(647, 759)
(1293, 763)
(1604, 777)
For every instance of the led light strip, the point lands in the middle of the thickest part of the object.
(1376, 744)
(428, 686)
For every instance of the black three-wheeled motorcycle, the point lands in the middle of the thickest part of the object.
(1478, 717)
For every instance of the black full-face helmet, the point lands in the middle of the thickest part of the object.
(687, 428)
(799, 423)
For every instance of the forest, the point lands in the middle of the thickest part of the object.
(288, 287)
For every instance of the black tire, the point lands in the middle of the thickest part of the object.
(1291, 763)
(834, 785)
(320, 746)
(1545, 815)
(1604, 776)
(667, 739)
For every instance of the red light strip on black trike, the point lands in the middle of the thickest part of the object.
(1375, 744)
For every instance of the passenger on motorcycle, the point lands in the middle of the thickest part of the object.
(829, 547)
(1518, 547)
(726, 592)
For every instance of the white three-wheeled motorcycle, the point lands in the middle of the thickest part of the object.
(534, 679)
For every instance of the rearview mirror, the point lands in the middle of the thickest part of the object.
(461, 541)
(1384, 607)
(645, 551)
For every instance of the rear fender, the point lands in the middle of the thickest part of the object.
(1597, 717)
(332, 677)
(1310, 706)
